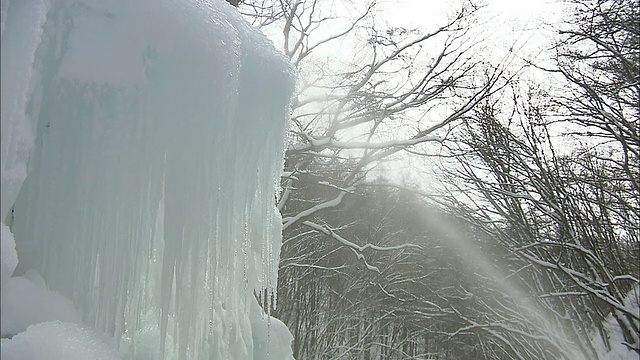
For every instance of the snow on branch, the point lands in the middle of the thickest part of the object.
(319, 267)
(357, 249)
(321, 144)
(290, 220)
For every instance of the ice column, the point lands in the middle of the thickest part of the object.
(150, 194)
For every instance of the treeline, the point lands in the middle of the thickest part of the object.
(431, 282)
(403, 295)
(532, 241)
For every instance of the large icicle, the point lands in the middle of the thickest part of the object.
(150, 197)
(23, 22)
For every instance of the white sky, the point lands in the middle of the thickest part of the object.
(521, 24)
(505, 24)
(415, 12)
(508, 21)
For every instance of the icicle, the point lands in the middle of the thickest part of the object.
(21, 29)
(160, 139)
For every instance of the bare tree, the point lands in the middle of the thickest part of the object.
(599, 57)
(563, 223)
(569, 219)
(403, 88)
(552, 175)
(389, 90)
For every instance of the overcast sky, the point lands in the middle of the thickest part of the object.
(508, 21)
(505, 24)
(523, 25)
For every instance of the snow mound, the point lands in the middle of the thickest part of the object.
(27, 301)
(617, 349)
(271, 337)
(56, 340)
(8, 255)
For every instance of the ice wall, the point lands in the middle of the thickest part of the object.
(19, 78)
(156, 134)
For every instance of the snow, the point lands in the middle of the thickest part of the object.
(142, 144)
(617, 349)
(27, 301)
(58, 340)
(271, 338)
(8, 255)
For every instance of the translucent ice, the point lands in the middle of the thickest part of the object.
(22, 26)
(150, 194)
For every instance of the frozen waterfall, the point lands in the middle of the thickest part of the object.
(142, 144)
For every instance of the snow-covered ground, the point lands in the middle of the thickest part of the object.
(617, 349)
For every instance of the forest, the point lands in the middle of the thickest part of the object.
(516, 237)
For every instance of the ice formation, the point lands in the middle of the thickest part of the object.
(142, 143)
